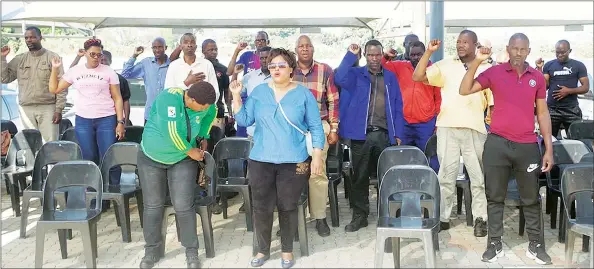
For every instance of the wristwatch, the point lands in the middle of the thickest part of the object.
(122, 122)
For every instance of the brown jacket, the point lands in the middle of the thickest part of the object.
(32, 70)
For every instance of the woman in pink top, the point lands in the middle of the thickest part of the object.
(98, 103)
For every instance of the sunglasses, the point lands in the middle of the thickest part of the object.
(281, 65)
(95, 55)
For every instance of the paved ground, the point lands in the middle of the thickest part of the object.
(459, 248)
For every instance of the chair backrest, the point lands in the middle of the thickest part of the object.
(216, 134)
(65, 124)
(10, 126)
(399, 155)
(335, 159)
(431, 147)
(231, 155)
(118, 154)
(51, 153)
(410, 182)
(69, 135)
(577, 184)
(582, 129)
(133, 134)
(589, 143)
(73, 177)
(568, 151)
(34, 139)
(210, 172)
(20, 152)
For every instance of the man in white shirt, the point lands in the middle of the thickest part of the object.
(190, 69)
(252, 79)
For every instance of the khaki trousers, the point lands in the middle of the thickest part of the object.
(451, 144)
(39, 117)
(318, 184)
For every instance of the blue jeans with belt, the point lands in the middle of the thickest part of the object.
(95, 136)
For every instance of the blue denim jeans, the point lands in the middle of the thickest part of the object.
(95, 136)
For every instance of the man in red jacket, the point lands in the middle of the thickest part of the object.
(421, 102)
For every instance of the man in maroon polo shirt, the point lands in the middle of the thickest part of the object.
(511, 146)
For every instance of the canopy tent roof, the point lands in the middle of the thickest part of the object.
(171, 14)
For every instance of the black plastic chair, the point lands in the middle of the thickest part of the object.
(122, 154)
(462, 185)
(582, 129)
(203, 207)
(301, 226)
(69, 135)
(20, 160)
(50, 153)
(231, 155)
(336, 174)
(73, 177)
(565, 152)
(413, 183)
(577, 190)
(65, 124)
(133, 134)
(347, 168)
(588, 158)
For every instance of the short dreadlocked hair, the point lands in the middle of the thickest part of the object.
(93, 42)
(203, 93)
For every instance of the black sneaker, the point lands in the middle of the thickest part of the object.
(537, 252)
(480, 228)
(443, 226)
(322, 227)
(494, 251)
(148, 261)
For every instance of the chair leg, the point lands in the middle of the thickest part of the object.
(25, 214)
(205, 218)
(548, 201)
(429, 249)
(459, 194)
(379, 252)
(522, 224)
(94, 238)
(63, 243)
(247, 201)
(122, 209)
(39, 248)
(554, 211)
(395, 251)
(88, 251)
(436, 241)
(585, 243)
(347, 184)
(14, 195)
(468, 205)
(562, 223)
(116, 210)
(302, 229)
(333, 196)
(569, 244)
(140, 205)
(592, 252)
(224, 204)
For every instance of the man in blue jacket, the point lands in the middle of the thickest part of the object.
(374, 120)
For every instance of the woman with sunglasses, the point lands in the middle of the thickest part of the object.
(279, 164)
(98, 103)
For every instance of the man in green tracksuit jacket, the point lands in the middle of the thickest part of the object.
(168, 157)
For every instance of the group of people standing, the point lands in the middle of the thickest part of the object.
(294, 107)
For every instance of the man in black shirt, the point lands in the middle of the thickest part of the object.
(407, 40)
(124, 87)
(210, 51)
(562, 76)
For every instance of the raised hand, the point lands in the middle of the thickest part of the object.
(434, 45)
(235, 87)
(138, 51)
(390, 53)
(483, 54)
(238, 68)
(5, 51)
(354, 48)
(56, 62)
(241, 46)
(539, 63)
(80, 53)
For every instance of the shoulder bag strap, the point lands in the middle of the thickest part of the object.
(286, 118)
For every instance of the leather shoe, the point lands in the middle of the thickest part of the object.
(322, 227)
(356, 224)
(148, 261)
(193, 261)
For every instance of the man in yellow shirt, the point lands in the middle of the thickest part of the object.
(460, 127)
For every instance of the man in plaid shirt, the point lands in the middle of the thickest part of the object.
(319, 78)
